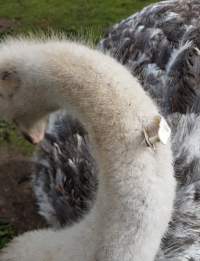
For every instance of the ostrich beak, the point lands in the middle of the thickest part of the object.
(35, 133)
(34, 137)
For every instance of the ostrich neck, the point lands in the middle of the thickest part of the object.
(113, 107)
(101, 91)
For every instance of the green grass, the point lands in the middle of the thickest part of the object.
(9, 137)
(6, 233)
(70, 16)
(73, 17)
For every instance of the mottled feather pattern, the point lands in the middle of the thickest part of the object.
(160, 45)
(65, 180)
(182, 241)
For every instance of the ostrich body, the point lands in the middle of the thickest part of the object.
(65, 176)
(160, 46)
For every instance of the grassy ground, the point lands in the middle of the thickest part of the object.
(67, 15)
(6, 232)
(71, 16)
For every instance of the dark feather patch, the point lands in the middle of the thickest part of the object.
(65, 181)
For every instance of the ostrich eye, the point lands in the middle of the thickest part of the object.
(6, 75)
(9, 75)
(9, 83)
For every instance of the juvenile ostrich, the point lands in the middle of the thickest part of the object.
(136, 183)
(160, 46)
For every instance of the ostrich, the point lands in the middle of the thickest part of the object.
(160, 46)
(129, 140)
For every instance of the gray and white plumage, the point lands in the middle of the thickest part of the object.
(182, 241)
(65, 178)
(160, 45)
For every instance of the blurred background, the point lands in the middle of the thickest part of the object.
(79, 18)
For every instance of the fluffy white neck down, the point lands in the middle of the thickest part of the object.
(136, 184)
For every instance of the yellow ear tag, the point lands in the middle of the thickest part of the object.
(157, 131)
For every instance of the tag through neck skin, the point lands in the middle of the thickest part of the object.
(157, 131)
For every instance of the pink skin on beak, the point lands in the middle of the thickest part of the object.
(35, 133)
(34, 138)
